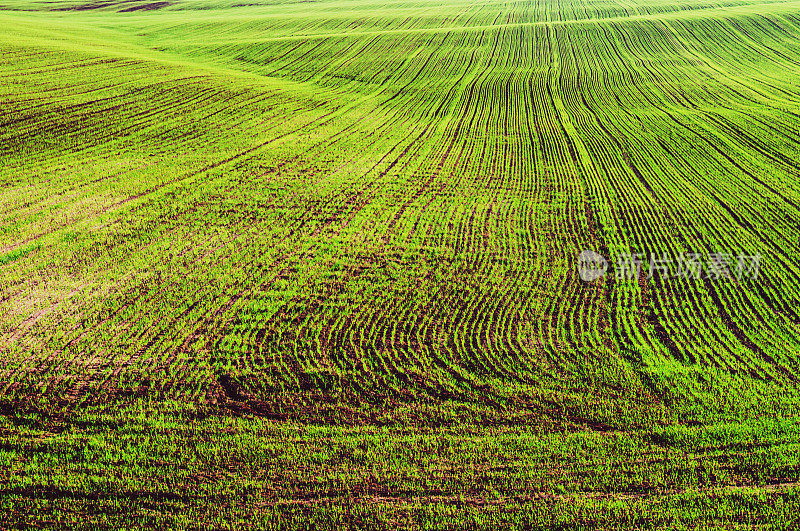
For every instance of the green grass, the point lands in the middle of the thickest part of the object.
(179, 466)
(358, 224)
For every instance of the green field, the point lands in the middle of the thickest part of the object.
(315, 264)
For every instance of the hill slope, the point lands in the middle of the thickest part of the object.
(361, 214)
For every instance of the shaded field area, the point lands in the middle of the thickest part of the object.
(319, 260)
(182, 467)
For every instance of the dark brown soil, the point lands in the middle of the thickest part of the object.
(146, 7)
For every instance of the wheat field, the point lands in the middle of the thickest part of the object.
(317, 263)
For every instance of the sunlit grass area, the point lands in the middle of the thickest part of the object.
(275, 263)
